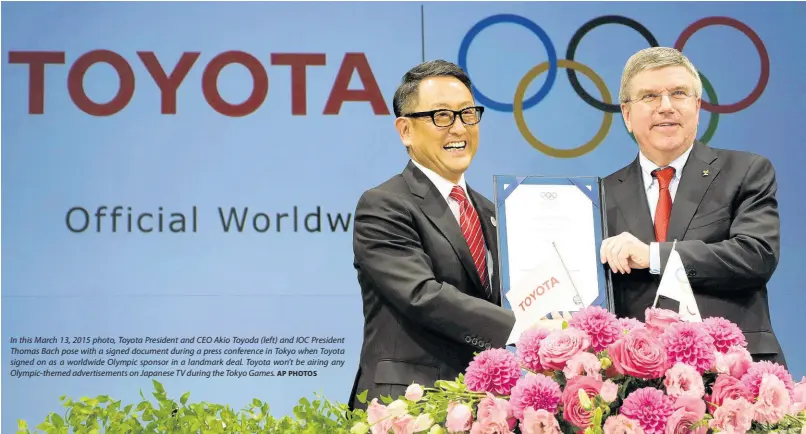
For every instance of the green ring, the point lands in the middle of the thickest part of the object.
(712, 122)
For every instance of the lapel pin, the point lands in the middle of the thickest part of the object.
(705, 173)
(492, 220)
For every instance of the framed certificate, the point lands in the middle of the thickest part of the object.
(550, 230)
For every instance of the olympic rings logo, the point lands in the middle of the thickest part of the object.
(548, 195)
(606, 105)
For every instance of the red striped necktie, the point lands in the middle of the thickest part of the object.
(471, 229)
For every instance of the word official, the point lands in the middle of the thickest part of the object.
(120, 219)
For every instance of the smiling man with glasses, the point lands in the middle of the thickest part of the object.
(717, 207)
(425, 246)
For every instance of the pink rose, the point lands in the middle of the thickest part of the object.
(692, 405)
(734, 416)
(735, 362)
(727, 387)
(378, 417)
(560, 346)
(405, 424)
(584, 363)
(639, 354)
(658, 320)
(539, 422)
(609, 391)
(773, 400)
(688, 410)
(414, 392)
(621, 424)
(573, 411)
(680, 423)
(490, 428)
(682, 379)
(398, 408)
(799, 397)
(493, 410)
(460, 418)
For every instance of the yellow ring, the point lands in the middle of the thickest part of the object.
(542, 147)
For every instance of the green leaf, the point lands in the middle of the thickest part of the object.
(158, 386)
(184, 398)
(58, 422)
(362, 397)
(597, 417)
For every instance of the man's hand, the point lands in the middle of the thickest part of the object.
(624, 253)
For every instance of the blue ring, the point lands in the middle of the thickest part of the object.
(534, 28)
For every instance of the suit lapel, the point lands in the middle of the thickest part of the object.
(436, 209)
(490, 239)
(691, 190)
(632, 202)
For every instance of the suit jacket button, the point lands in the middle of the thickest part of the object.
(488, 346)
(692, 272)
(467, 339)
(475, 341)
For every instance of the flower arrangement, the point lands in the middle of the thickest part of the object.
(603, 375)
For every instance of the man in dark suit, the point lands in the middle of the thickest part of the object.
(718, 204)
(425, 246)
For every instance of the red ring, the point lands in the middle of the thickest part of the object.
(762, 52)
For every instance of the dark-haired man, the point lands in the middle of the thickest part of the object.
(425, 245)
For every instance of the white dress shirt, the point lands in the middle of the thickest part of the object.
(653, 192)
(445, 187)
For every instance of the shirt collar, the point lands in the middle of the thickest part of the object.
(648, 166)
(443, 185)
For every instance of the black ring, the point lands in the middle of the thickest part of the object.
(574, 43)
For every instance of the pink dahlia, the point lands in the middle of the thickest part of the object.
(535, 391)
(650, 407)
(602, 327)
(630, 324)
(752, 378)
(690, 344)
(495, 370)
(725, 333)
(528, 347)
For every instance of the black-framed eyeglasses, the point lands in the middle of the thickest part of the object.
(445, 117)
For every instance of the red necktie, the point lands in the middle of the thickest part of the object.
(471, 229)
(664, 208)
